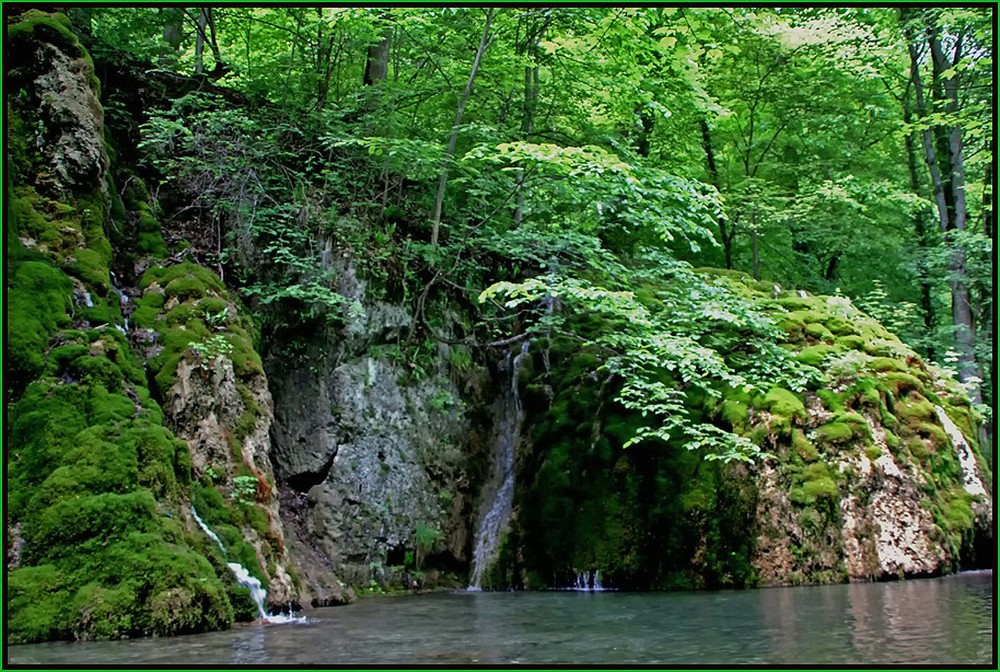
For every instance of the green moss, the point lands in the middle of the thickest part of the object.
(818, 332)
(901, 383)
(806, 450)
(873, 452)
(817, 484)
(835, 432)
(840, 326)
(53, 28)
(38, 601)
(832, 400)
(163, 276)
(886, 364)
(735, 413)
(851, 342)
(814, 355)
(785, 403)
(185, 288)
(891, 440)
(935, 433)
(39, 299)
(91, 268)
(914, 408)
(918, 448)
(58, 530)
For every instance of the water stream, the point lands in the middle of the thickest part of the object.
(123, 300)
(247, 580)
(493, 519)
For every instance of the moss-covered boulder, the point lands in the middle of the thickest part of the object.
(862, 475)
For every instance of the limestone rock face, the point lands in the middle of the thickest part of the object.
(64, 92)
(370, 454)
(380, 458)
(879, 477)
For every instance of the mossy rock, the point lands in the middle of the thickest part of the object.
(901, 383)
(39, 300)
(51, 28)
(817, 484)
(814, 355)
(198, 276)
(837, 432)
(784, 403)
(851, 342)
(736, 413)
(883, 364)
(914, 408)
(38, 603)
(832, 400)
(805, 449)
(817, 331)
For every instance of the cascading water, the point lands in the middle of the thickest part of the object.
(493, 518)
(122, 299)
(588, 582)
(245, 579)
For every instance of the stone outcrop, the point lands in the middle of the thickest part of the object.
(371, 457)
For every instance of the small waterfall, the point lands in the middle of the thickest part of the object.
(245, 579)
(588, 582)
(122, 299)
(493, 519)
(207, 530)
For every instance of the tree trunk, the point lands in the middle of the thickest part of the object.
(199, 42)
(753, 239)
(919, 228)
(377, 63)
(484, 42)
(948, 180)
(726, 232)
(173, 29)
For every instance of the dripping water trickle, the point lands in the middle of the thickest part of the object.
(494, 517)
(123, 300)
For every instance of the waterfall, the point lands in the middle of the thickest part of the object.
(493, 518)
(587, 582)
(245, 579)
(122, 299)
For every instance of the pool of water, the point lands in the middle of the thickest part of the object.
(932, 621)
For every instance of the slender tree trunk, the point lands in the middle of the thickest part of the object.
(221, 67)
(199, 42)
(920, 229)
(484, 42)
(727, 230)
(753, 234)
(948, 181)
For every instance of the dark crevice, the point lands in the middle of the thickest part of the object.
(305, 480)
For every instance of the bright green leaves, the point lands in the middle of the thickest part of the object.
(679, 335)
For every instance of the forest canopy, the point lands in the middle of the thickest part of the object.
(844, 151)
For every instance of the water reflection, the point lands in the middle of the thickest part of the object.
(937, 621)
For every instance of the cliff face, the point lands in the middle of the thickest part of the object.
(373, 456)
(139, 396)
